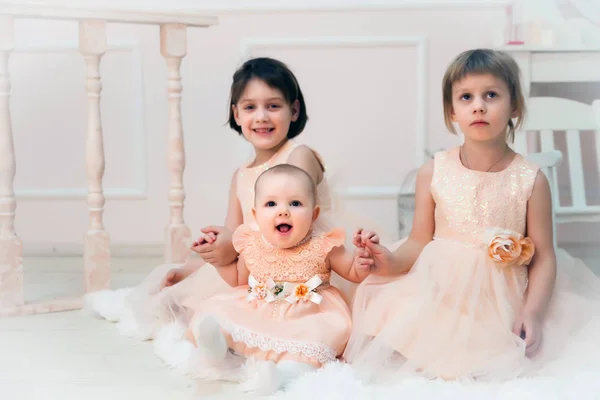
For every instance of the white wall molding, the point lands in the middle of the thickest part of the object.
(139, 190)
(370, 192)
(76, 250)
(331, 6)
(192, 8)
(108, 11)
(420, 42)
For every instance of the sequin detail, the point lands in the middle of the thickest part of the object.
(468, 202)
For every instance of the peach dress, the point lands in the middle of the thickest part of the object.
(147, 309)
(452, 315)
(289, 310)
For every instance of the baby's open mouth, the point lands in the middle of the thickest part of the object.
(284, 228)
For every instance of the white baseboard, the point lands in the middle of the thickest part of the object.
(590, 249)
(76, 250)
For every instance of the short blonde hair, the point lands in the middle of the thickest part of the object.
(485, 61)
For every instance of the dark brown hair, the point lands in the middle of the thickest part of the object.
(276, 75)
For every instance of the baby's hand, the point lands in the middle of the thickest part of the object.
(370, 253)
(217, 249)
(361, 237)
(205, 238)
(363, 260)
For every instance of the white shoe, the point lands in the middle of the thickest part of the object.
(209, 339)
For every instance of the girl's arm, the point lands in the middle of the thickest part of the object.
(402, 260)
(542, 269)
(344, 263)
(303, 157)
(234, 216)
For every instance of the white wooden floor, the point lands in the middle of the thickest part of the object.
(71, 355)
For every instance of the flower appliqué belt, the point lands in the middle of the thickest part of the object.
(291, 292)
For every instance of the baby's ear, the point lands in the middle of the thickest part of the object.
(316, 213)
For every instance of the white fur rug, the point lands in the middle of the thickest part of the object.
(575, 375)
(338, 381)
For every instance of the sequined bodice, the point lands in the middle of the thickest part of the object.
(467, 202)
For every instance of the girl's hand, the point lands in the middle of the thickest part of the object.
(363, 261)
(369, 253)
(382, 258)
(360, 237)
(174, 276)
(528, 326)
(219, 252)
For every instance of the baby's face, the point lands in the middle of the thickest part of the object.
(284, 209)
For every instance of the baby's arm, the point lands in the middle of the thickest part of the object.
(542, 269)
(347, 264)
(243, 272)
(236, 273)
(402, 260)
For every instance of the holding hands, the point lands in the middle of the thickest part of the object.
(370, 254)
(214, 246)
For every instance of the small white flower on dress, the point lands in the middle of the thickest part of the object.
(304, 291)
(301, 291)
(260, 291)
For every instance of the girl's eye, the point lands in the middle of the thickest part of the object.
(295, 203)
(465, 97)
(492, 95)
(270, 204)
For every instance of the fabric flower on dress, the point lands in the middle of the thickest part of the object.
(304, 291)
(508, 248)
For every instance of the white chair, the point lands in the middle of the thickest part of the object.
(547, 115)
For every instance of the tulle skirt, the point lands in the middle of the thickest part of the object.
(452, 317)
